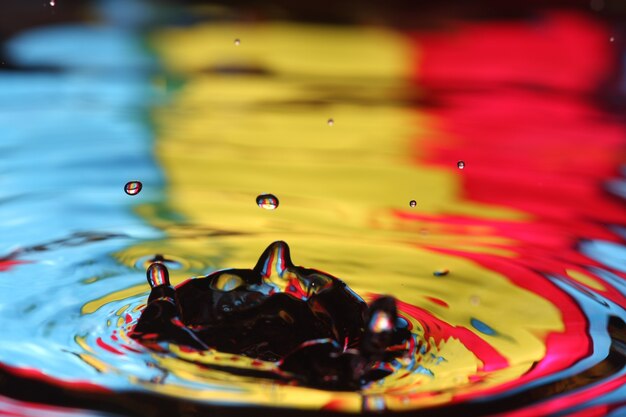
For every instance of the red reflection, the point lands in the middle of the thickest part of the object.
(514, 100)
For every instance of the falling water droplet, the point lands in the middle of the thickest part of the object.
(267, 201)
(133, 187)
(441, 272)
(611, 39)
(412, 203)
(157, 275)
(331, 122)
(237, 42)
(52, 3)
(460, 164)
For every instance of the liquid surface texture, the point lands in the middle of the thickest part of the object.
(508, 274)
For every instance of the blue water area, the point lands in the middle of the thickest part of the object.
(71, 139)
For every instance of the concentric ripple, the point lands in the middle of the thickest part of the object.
(509, 273)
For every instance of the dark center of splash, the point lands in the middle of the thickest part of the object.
(319, 331)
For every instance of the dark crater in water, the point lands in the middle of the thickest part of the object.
(318, 331)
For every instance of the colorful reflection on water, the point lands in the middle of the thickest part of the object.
(528, 318)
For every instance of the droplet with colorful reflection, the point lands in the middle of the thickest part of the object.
(460, 164)
(412, 203)
(267, 201)
(381, 322)
(158, 275)
(441, 272)
(237, 42)
(331, 122)
(133, 187)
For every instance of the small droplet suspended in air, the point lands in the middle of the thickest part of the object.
(237, 42)
(331, 122)
(611, 39)
(441, 272)
(133, 187)
(52, 3)
(412, 203)
(267, 201)
(157, 275)
(460, 164)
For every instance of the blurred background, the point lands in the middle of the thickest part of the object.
(464, 157)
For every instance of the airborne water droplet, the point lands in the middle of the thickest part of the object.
(331, 122)
(157, 275)
(412, 203)
(237, 42)
(460, 164)
(611, 39)
(267, 201)
(52, 3)
(441, 272)
(133, 187)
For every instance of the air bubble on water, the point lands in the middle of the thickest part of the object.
(133, 187)
(412, 203)
(267, 201)
(157, 275)
(460, 164)
(441, 272)
(237, 42)
(331, 122)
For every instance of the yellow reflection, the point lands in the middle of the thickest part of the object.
(226, 138)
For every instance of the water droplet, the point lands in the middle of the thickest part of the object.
(52, 3)
(157, 275)
(237, 42)
(380, 322)
(267, 201)
(331, 122)
(611, 39)
(474, 300)
(441, 272)
(460, 164)
(133, 187)
(412, 203)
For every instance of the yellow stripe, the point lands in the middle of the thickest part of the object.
(225, 139)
